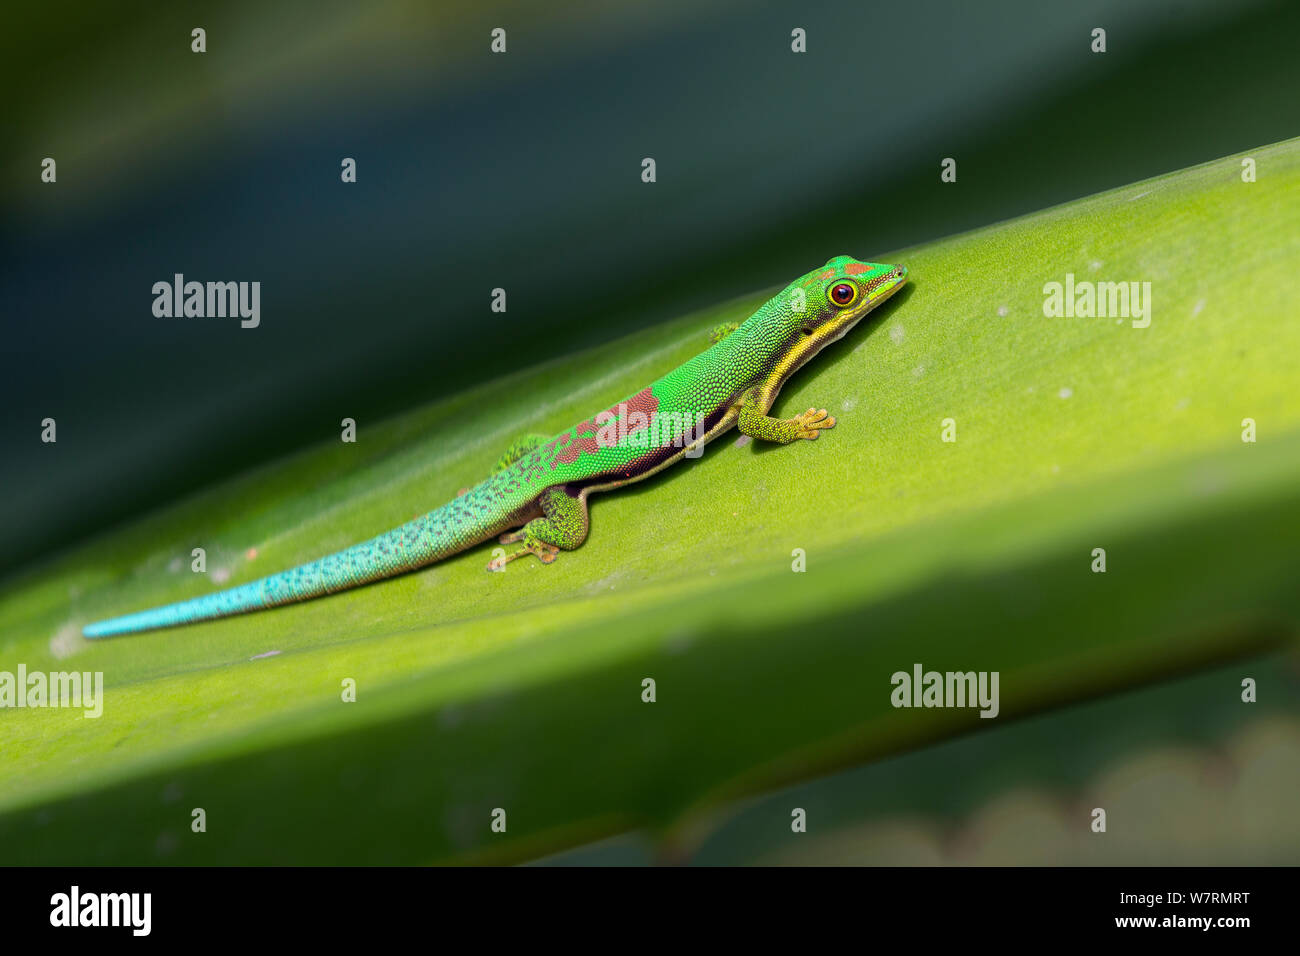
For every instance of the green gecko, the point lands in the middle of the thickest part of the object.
(536, 497)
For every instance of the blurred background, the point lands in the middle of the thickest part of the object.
(1187, 775)
(519, 171)
(523, 171)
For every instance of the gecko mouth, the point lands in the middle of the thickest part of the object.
(896, 278)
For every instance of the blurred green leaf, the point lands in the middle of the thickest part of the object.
(522, 690)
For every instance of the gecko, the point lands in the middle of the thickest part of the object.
(536, 496)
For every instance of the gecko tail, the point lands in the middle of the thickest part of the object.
(437, 535)
(237, 600)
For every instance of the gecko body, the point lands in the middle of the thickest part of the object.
(537, 496)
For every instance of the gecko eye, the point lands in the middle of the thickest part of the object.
(844, 294)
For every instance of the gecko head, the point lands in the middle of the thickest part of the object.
(827, 302)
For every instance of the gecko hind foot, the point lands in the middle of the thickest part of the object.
(563, 526)
(546, 553)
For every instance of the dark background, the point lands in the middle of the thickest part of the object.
(520, 171)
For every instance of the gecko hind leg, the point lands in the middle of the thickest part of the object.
(517, 449)
(720, 332)
(562, 527)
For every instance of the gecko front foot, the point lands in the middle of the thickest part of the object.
(811, 423)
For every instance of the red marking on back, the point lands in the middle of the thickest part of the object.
(582, 437)
(856, 268)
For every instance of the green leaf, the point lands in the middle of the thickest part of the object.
(522, 690)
